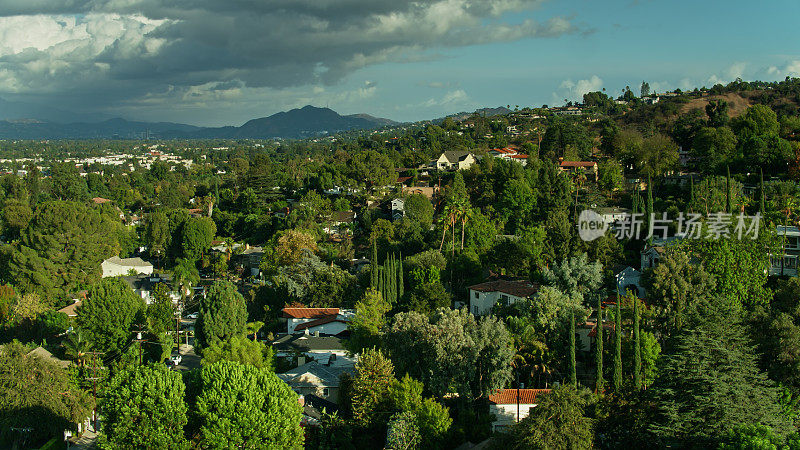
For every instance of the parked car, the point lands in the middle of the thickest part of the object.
(175, 359)
(193, 315)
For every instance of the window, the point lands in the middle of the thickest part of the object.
(475, 310)
(325, 392)
(477, 295)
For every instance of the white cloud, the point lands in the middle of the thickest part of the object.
(573, 91)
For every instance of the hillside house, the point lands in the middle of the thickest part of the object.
(318, 379)
(117, 267)
(455, 160)
(483, 296)
(509, 406)
(589, 167)
(398, 207)
(301, 348)
(340, 223)
(786, 263)
(323, 321)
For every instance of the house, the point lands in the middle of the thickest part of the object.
(590, 167)
(455, 160)
(483, 296)
(300, 348)
(398, 206)
(251, 259)
(567, 111)
(786, 263)
(116, 266)
(612, 215)
(143, 285)
(327, 321)
(651, 256)
(629, 279)
(340, 223)
(318, 379)
(502, 153)
(509, 406)
(41, 353)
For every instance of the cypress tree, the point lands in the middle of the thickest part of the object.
(573, 371)
(728, 208)
(373, 266)
(392, 280)
(637, 348)
(401, 289)
(599, 345)
(763, 195)
(618, 347)
(649, 211)
(691, 189)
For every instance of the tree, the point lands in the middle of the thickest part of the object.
(108, 313)
(223, 314)
(16, 216)
(37, 394)
(451, 351)
(370, 390)
(637, 346)
(66, 183)
(198, 233)
(711, 383)
(157, 233)
(144, 407)
(63, 247)
(419, 209)
(368, 322)
(618, 346)
(161, 310)
(575, 276)
(290, 246)
(713, 148)
(558, 422)
(675, 287)
(598, 354)
(612, 177)
(241, 406)
(717, 112)
(658, 155)
(573, 371)
(403, 432)
(239, 348)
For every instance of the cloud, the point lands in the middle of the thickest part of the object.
(574, 91)
(103, 52)
(791, 69)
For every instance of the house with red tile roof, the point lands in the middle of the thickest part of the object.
(483, 296)
(327, 321)
(589, 167)
(509, 406)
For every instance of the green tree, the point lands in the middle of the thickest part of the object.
(223, 314)
(573, 369)
(144, 407)
(419, 209)
(370, 390)
(35, 393)
(611, 177)
(241, 406)
(403, 432)
(367, 324)
(197, 235)
(598, 354)
(559, 421)
(713, 148)
(712, 383)
(239, 349)
(107, 315)
(637, 344)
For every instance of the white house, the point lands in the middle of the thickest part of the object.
(143, 286)
(509, 406)
(455, 160)
(611, 215)
(326, 321)
(116, 266)
(302, 348)
(321, 380)
(630, 279)
(483, 296)
(786, 264)
(398, 209)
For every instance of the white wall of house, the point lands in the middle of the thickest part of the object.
(111, 269)
(327, 328)
(506, 415)
(481, 303)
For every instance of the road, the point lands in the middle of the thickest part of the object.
(189, 359)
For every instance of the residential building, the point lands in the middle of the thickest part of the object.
(590, 167)
(398, 206)
(41, 353)
(613, 214)
(117, 267)
(455, 160)
(300, 348)
(629, 279)
(143, 285)
(318, 379)
(786, 263)
(327, 321)
(509, 406)
(483, 296)
(340, 223)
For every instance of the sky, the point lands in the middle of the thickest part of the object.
(223, 62)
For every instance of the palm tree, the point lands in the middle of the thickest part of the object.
(445, 221)
(76, 348)
(579, 177)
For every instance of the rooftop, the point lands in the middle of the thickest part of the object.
(132, 262)
(303, 343)
(510, 396)
(517, 288)
(309, 313)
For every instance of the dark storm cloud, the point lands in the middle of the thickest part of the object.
(118, 50)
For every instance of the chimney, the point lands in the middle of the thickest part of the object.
(306, 332)
(316, 334)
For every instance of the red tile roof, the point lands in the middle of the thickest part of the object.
(517, 288)
(317, 322)
(578, 164)
(309, 313)
(519, 156)
(509, 396)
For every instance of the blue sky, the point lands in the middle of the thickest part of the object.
(223, 63)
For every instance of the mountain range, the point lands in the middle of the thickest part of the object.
(308, 121)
